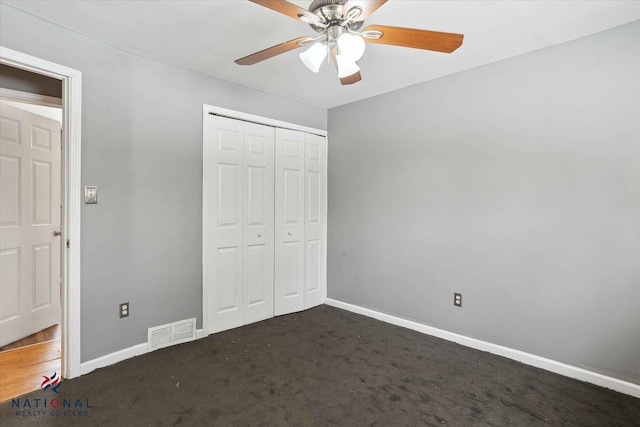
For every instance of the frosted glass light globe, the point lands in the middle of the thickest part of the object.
(351, 45)
(314, 56)
(346, 66)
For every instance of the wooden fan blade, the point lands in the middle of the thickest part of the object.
(368, 7)
(418, 39)
(349, 80)
(270, 52)
(285, 8)
(353, 78)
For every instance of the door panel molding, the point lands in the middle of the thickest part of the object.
(71, 163)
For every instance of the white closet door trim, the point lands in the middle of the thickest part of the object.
(239, 115)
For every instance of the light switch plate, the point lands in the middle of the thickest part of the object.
(90, 195)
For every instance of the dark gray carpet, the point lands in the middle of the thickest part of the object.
(322, 367)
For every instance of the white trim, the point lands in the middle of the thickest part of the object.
(30, 98)
(239, 115)
(521, 356)
(205, 229)
(112, 358)
(71, 126)
(120, 355)
(326, 218)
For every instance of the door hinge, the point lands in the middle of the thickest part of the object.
(68, 243)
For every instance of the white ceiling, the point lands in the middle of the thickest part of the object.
(207, 36)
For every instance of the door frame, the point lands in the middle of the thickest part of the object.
(238, 115)
(71, 197)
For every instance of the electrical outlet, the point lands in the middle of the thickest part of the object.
(457, 299)
(124, 310)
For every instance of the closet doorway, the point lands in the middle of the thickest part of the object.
(264, 218)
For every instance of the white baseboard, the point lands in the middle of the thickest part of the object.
(111, 358)
(526, 358)
(120, 355)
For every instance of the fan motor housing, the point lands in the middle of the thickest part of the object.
(316, 4)
(330, 11)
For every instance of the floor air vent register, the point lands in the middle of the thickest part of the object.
(171, 333)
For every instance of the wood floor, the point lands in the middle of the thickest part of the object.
(23, 364)
(49, 334)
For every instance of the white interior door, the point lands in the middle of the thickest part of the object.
(238, 248)
(223, 157)
(29, 215)
(315, 207)
(289, 219)
(259, 225)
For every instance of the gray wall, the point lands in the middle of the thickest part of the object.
(142, 147)
(25, 81)
(516, 184)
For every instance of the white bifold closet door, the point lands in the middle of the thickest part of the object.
(300, 216)
(239, 229)
(315, 225)
(264, 221)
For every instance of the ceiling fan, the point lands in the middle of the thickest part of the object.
(339, 24)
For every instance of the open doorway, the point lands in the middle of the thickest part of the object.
(31, 248)
(67, 334)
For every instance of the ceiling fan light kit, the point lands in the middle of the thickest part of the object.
(338, 23)
(351, 45)
(314, 56)
(346, 67)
